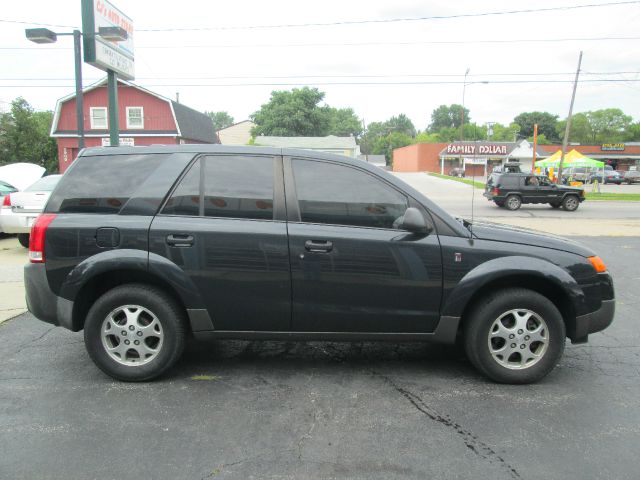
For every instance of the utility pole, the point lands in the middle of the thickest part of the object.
(535, 147)
(565, 140)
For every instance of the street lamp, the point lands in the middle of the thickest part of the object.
(44, 35)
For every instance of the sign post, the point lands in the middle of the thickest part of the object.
(108, 45)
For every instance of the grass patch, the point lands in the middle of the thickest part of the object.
(617, 197)
(468, 181)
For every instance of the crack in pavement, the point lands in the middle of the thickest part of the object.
(471, 441)
(27, 344)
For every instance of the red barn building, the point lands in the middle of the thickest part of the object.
(144, 118)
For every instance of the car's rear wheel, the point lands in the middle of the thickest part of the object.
(23, 238)
(134, 332)
(570, 203)
(513, 202)
(514, 336)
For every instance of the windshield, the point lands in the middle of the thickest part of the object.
(45, 184)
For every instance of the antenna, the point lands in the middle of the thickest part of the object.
(473, 188)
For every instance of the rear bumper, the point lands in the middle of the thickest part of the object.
(595, 321)
(42, 302)
(16, 222)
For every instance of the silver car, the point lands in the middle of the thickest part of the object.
(20, 209)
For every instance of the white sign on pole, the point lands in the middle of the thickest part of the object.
(100, 52)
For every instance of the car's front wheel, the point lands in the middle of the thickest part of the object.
(134, 332)
(513, 202)
(514, 335)
(570, 203)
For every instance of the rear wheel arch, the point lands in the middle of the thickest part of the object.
(103, 282)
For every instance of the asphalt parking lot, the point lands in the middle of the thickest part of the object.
(324, 410)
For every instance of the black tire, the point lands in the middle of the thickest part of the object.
(483, 318)
(169, 315)
(570, 203)
(512, 202)
(23, 238)
(555, 205)
(499, 203)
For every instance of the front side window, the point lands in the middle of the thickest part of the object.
(135, 117)
(340, 195)
(231, 187)
(99, 118)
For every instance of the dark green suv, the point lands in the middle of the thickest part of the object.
(511, 190)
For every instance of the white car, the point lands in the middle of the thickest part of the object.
(20, 209)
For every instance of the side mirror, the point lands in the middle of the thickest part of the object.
(413, 221)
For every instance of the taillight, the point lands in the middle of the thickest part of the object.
(37, 237)
(495, 191)
(6, 202)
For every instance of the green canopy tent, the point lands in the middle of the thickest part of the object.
(571, 159)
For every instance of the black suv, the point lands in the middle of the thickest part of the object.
(511, 190)
(141, 246)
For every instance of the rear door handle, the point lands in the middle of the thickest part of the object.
(318, 246)
(180, 240)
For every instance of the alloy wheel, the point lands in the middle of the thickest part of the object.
(518, 339)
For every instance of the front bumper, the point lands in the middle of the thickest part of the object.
(42, 302)
(595, 321)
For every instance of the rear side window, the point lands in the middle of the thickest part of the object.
(226, 186)
(339, 195)
(510, 181)
(102, 184)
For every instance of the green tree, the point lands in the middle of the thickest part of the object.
(547, 124)
(401, 124)
(608, 125)
(343, 122)
(598, 126)
(376, 130)
(292, 113)
(426, 137)
(447, 117)
(220, 120)
(24, 136)
(632, 134)
(385, 145)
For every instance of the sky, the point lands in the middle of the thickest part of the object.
(229, 56)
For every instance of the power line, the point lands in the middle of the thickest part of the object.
(357, 44)
(357, 22)
(37, 24)
(409, 75)
(393, 20)
(288, 84)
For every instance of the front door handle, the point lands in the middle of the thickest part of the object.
(318, 246)
(180, 240)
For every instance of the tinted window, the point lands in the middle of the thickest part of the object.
(185, 200)
(509, 180)
(339, 195)
(238, 187)
(234, 187)
(102, 184)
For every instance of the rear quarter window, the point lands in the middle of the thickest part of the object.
(102, 184)
(510, 181)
